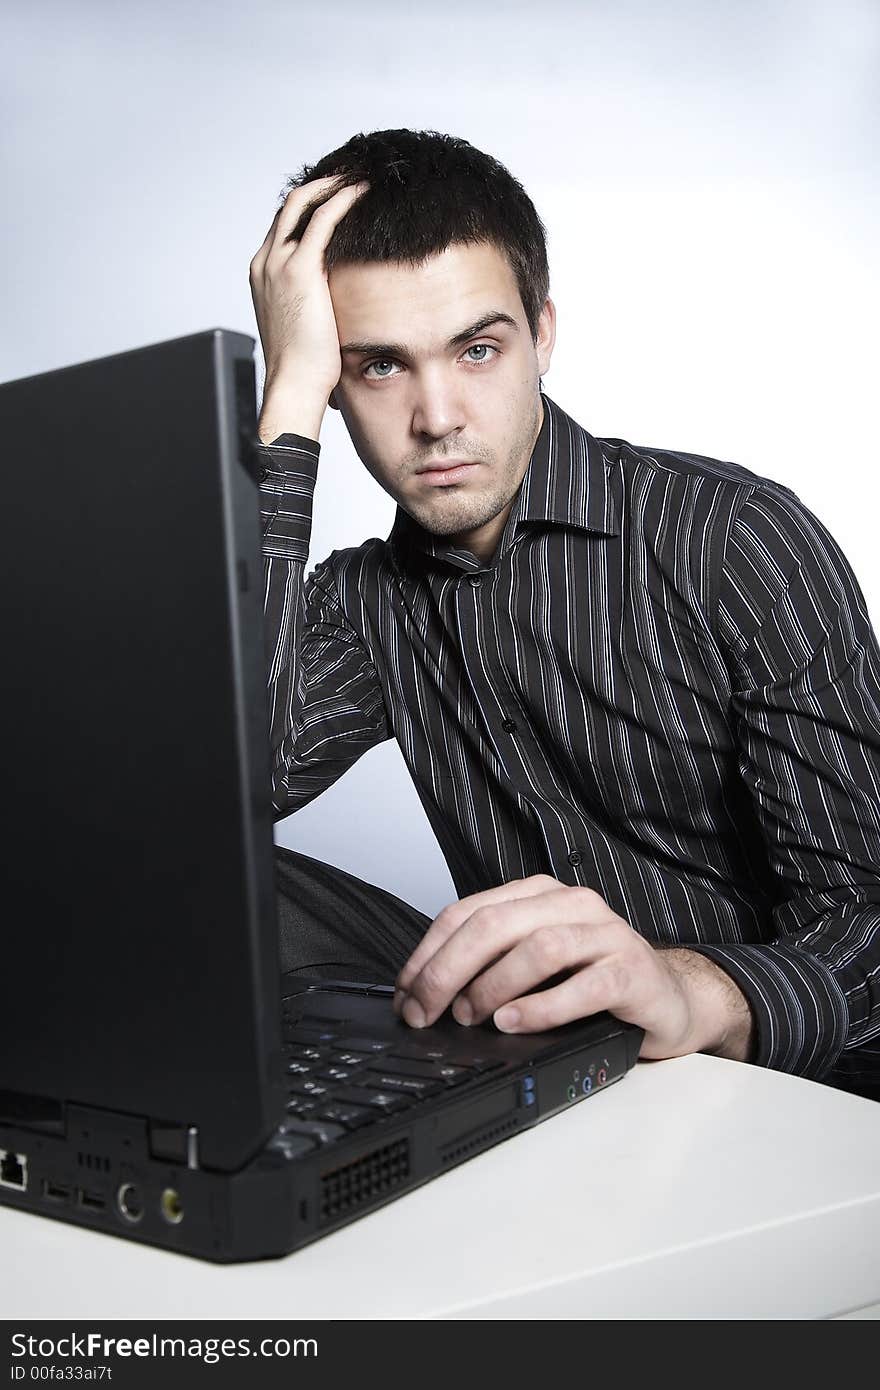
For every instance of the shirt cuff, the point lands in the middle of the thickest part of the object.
(288, 470)
(800, 1011)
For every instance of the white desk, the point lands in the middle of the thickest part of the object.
(694, 1188)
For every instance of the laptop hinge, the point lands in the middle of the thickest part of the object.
(175, 1143)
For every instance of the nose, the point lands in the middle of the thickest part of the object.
(438, 407)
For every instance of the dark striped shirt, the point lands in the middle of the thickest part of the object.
(664, 686)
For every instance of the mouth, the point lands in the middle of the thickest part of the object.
(449, 471)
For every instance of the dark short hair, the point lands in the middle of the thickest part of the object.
(428, 190)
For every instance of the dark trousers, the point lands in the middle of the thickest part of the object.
(335, 925)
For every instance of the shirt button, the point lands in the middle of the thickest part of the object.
(475, 580)
(509, 726)
(575, 858)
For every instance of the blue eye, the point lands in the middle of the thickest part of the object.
(484, 348)
(380, 362)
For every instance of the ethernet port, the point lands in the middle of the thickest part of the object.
(13, 1170)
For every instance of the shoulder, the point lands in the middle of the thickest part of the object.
(762, 513)
(633, 457)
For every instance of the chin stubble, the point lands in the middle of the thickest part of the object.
(450, 514)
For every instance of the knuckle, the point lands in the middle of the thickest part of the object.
(322, 212)
(432, 978)
(445, 917)
(589, 898)
(487, 918)
(550, 947)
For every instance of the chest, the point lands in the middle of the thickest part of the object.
(567, 665)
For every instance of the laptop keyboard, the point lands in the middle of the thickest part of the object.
(340, 1081)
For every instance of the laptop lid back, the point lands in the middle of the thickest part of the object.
(140, 954)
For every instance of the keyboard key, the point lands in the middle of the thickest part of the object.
(308, 1037)
(297, 1068)
(299, 1105)
(415, 1086)
(336, 1074)
(409, 1066)
(317, 1020)
(368, 1045)
(351, 1116)
(385, 1102)
(454, 1076)
(477, 1064)
(351, 1059)
(292, 1145)
(419, 1051)
(309, 1054)
(309, 1088)
(322, 1130)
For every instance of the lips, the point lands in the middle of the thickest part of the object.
(449, 471)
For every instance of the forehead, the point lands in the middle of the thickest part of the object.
(427, 302)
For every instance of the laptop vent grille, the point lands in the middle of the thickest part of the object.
(481, 1140)
(345, 1189)
(93, 1161)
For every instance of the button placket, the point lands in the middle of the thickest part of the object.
(518, 750)
(491, 684)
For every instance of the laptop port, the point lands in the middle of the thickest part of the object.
(130, 1202)
(56, 1191)
(13, 1170)
(92, 1201)
(171, 1206)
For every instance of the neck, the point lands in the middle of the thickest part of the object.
(483, 542)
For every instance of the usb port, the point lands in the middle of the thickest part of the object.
(92, 1201)
(13, 1170)
(56, 1191)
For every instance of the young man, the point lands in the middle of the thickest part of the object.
(638, 691)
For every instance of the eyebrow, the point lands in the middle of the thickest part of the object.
(401, 350)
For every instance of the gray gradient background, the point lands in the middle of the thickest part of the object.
(707, 174)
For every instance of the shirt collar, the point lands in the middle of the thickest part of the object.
(566, 483)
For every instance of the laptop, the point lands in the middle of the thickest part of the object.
(159, 1079)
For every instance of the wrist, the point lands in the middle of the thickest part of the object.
(291, 407)
(722, 1022)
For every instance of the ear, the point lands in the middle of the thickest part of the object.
(546, 336)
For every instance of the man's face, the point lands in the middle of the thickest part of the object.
(424, 386)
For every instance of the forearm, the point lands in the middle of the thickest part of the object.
(326, 705)
(285, 500)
